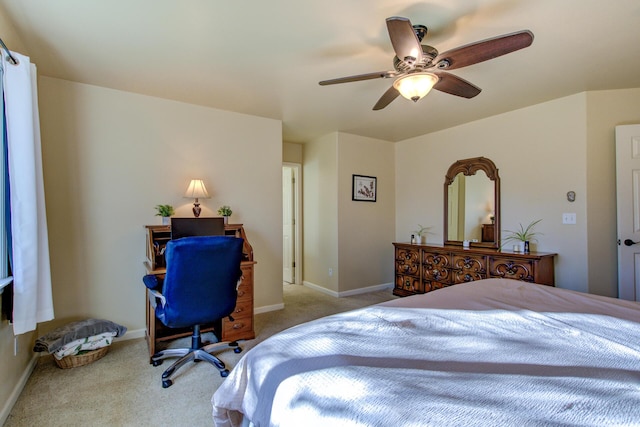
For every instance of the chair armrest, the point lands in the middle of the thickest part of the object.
(152, 281)
(154, 284)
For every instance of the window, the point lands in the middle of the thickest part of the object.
(5, 279)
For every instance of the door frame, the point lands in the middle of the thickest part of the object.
(297, 216)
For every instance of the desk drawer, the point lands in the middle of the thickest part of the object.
(240, 328)
(245, 289)
(244, 307)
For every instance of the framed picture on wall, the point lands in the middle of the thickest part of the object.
(364, 188)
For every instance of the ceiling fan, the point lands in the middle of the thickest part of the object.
(419, 68)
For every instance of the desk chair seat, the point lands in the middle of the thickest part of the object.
(199, 287)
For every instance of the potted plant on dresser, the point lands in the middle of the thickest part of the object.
(522, 237)
(421, 234)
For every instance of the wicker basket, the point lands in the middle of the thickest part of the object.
(81, 359)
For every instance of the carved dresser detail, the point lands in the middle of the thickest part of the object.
(424, 268)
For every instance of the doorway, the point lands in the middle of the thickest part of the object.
(291, 224)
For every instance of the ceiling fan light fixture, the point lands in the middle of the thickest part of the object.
(416, 85)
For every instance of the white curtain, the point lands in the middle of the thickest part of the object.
(32, 299)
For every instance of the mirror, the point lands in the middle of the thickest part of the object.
(472, 203)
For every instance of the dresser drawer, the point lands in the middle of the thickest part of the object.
(512, 268)
(468, 267)
(470, 263)
(435, 266)
(464, 276)
(432, 285)
(408, 261)
(408, 283)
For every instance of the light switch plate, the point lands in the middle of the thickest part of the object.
(568, 218)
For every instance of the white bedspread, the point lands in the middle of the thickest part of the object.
(489, 353)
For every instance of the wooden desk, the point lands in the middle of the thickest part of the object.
(242, 326)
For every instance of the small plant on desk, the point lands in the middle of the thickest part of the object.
(165, 210)
(225, 211)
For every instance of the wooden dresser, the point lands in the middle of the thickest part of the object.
(423, 268)
(241, 328)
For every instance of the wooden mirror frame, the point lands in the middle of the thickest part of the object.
(470, 167)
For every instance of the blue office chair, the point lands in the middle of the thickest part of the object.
(200, 287)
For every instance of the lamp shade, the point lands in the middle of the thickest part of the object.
(196, 190)
(415, 86)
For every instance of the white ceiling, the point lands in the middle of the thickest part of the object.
(265, 58)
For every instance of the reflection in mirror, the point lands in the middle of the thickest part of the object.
(471, 207)
(472, 203)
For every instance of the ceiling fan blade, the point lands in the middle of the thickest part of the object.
(454, 85)
(404, 40)
(359, 77)
(484, 50)
(386, 98)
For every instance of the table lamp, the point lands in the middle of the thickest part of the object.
(196, 190)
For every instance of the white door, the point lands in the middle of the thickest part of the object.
(628, 201)
(288, 226)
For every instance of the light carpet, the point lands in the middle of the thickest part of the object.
(123, 389)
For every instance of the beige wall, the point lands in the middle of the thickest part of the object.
(292, 152)
(320, 207)
(111, 156)
(351, 238)
(14, 369)
(541, 154)
(365, 229)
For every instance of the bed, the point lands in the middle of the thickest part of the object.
(493, 352)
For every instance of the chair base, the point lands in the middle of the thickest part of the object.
(197, 353)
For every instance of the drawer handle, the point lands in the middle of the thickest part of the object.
(240, 293)
(238, 325)
(239, 310)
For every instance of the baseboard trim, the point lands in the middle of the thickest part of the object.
(17, 390)
(348, 293)
(268, 308)
(375, 288)
(132, 335)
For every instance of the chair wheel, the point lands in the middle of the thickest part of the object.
(156, 362)
(237, 350)
(224, 373)
(167, 383)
